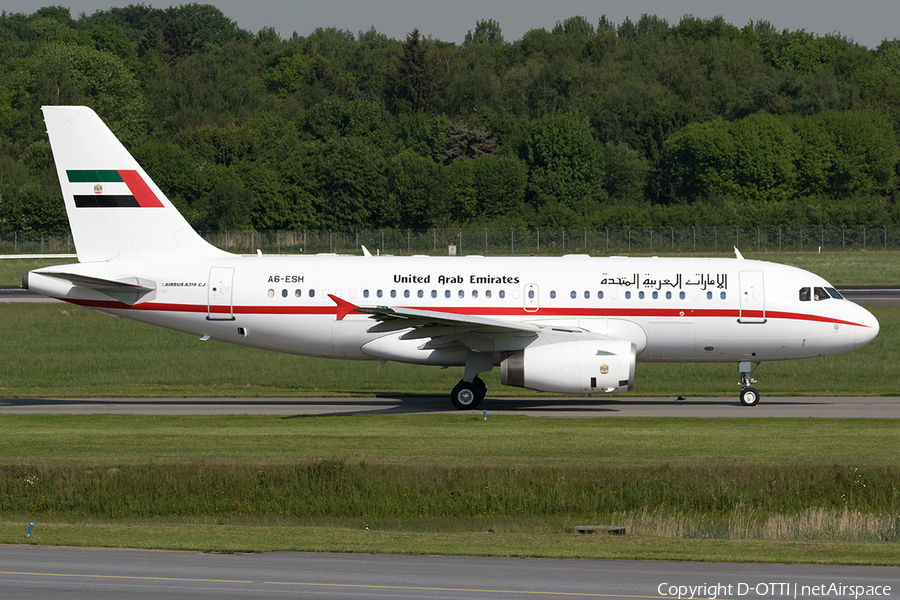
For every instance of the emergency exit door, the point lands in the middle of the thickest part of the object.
(219, 294)
(752, 297)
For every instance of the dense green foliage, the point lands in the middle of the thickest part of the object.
(584, 125)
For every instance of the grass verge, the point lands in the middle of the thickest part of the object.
(693, 489)
(528, 539)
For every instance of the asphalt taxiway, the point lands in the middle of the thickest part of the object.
(94, 574)
(834, 407)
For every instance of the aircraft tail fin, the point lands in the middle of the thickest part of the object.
(115, 210)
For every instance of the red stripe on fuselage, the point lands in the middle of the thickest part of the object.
(473, 311)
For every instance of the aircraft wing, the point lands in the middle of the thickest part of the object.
(444, 330)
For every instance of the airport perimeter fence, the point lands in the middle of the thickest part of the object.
(518, 241)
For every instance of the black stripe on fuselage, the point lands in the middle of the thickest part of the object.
(106, 202)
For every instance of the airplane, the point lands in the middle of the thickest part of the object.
(571, 325)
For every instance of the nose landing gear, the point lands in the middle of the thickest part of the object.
(748, 396)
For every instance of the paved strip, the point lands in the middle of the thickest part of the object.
(838, 407)
(94, 573)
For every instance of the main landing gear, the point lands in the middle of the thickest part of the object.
(749, 396)
(467, 396)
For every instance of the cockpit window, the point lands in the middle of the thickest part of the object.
(804, 294)
(819, 293)
(834, 293)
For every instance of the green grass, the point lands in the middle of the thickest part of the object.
(432, 537)
(439, 483)
(443, 440)
(12, 269)
(58, 350)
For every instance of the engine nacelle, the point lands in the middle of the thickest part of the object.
(572, 366)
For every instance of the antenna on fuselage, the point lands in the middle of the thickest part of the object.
(737, 254)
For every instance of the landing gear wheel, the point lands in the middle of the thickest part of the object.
(466, 396)
(482, 387)
(749, 396)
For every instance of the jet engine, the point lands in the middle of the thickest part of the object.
(566, 364)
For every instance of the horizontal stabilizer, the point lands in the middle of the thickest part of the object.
(130, 291)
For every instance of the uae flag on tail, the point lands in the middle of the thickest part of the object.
(111, 189)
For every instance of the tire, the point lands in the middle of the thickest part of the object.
(466, 396)
(482, 387)
(749, 396)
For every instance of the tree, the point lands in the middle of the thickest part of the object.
(575, 26)
(342, 178)
(417, 191)
(416, 81)
(866, 152)
(463, 142)
(627, 173)
(208, 88)
(565, 161)
(486, 32)
(66, 74)
(752, 160)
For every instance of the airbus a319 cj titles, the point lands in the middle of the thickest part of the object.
(571, 325)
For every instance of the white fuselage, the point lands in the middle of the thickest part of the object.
(671, 309)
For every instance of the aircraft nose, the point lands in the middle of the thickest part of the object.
(869, 329)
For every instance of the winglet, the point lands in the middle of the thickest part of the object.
(343, 307)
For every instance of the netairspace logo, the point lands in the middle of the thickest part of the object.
(782, 589)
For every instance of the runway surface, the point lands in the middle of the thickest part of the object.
(839, 407)
(91, 574)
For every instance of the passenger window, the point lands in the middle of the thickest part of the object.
(312, 293)
(487, 293)
(669, 295)
(641, 295)
(628, 295)
(434, 293)
(722, 295)
(420, 294)
(474, 293)
(681, 295)
(502, 293)
(599, 295)
(297, 293)
(406, 293)
(531, 294)
(271, 293)
(365, 293)
(552, 294)
(709, 295)
(393, 293)
(587, 295)
(379, 293)
(655, 295)
(462, 294)
(446, 293)
(284, 293)
(573, 295)
(804, 294)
